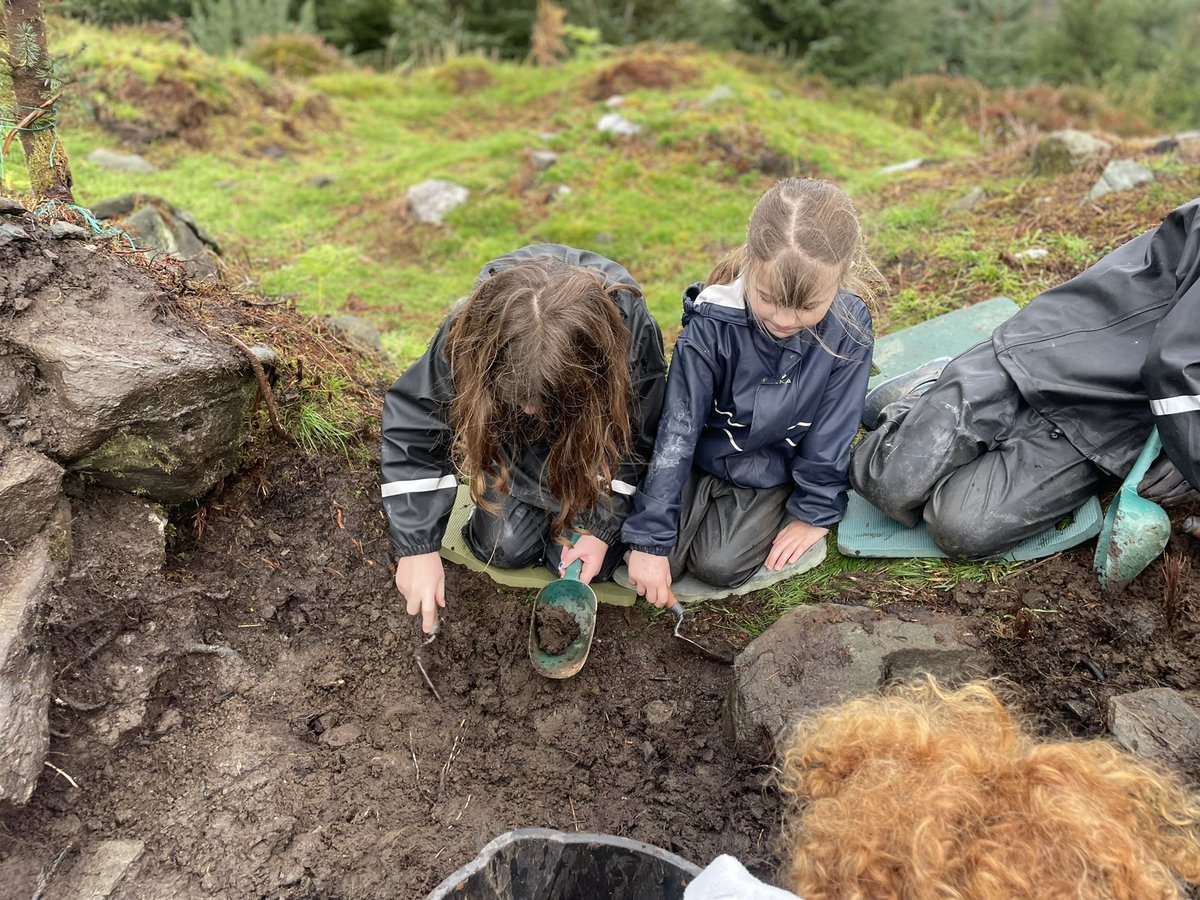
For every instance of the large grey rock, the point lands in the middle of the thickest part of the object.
(30, 487)
(1065, 151)
(121, 162)
(432, 199)
(11, 207)
(1157, 724)
(152, 227)
(1120, 175)
(824, 654)
(116, 385)
(26, 580)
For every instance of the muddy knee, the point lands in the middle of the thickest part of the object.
(721, 566)
(969, 535)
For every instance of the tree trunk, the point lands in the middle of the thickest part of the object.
(45, 156)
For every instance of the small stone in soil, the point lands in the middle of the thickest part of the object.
(556, 629)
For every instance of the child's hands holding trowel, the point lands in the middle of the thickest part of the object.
(591, 550)
(422, 582)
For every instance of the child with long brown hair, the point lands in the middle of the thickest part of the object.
(543, 388)
(764, 395)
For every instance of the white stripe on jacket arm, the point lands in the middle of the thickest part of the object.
(419, 485)
(1172, 405)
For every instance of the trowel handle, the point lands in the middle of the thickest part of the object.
(573, 570)
(1145, 458)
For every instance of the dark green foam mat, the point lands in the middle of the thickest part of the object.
(949, 334)
(867, 531)
(455, 550)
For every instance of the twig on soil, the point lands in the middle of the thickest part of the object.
(214, 649)
(425, 675)
(92, 651)
(48, 872)
(574, 818)
(1040, 562)
(464, 809)
(261, 375)
(416, 765)
(455, 749)
(66, 700)
(51, 765)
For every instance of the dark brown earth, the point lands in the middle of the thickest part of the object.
(286, 746)
(556, 629)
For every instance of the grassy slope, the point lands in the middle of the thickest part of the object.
(667, 203)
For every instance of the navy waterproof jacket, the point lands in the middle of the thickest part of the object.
(419, 480)
(1116, 350)
(756, 411)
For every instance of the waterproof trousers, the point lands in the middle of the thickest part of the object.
(518, 535)
(974, 460)
(725, 531)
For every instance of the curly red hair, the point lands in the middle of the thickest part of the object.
(922, 793)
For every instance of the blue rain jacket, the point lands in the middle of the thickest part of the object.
(756, 411)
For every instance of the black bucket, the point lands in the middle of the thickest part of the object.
(544, 864)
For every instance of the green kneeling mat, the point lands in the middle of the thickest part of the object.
(455, 550)
(949, 334)
(867, 531)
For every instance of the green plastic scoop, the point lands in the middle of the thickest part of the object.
(578, 599)
(1135, 530)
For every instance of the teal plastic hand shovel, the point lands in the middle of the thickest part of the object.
(1135, 530)
(579, 600)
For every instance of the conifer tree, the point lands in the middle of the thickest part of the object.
(28, 110)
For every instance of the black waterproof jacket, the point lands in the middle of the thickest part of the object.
(1116, 350)
(756, 411)
(419, 481)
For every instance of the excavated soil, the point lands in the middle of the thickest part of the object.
(556, 629)
(256, 718)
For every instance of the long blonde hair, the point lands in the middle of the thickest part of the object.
(924, 794)
(539, 354)
(801, 232)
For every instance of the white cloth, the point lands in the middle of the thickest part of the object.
(727, 879)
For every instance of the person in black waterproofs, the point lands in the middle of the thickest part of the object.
(1020, 430)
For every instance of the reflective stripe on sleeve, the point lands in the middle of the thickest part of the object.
(1172, 405)
(419, 485)
(623, 487)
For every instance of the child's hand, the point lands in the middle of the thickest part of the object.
(591, 550)
(422, 582)
(791, 542)
(650, 576)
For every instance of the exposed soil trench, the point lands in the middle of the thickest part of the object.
(312, 760)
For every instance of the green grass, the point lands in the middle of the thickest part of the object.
(667, 204)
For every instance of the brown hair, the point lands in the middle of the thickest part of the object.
(923, 794)
(803, 234)
(538, 353)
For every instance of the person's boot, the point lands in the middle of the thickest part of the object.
(916, 381)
